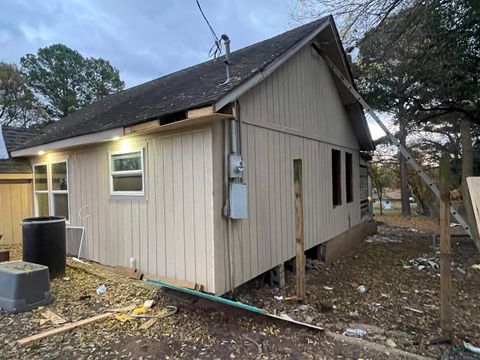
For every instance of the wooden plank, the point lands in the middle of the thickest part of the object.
(146, 126)
(204, 111)
(60, 330)
(473, 187)
(128, 272)
(16, 176)
(299, 240)
(445, 250)
(175, 282)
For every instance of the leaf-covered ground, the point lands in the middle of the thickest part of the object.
(201, 329)
(401, 302)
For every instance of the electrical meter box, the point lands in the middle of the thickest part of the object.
(236, 166)
(238, 200)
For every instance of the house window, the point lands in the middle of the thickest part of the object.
(336, 177)
(349, 176)
(51, 189)
(59, 189)
(126, 173)
(40, 180)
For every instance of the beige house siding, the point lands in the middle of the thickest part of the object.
(295, 113)
(169, 231)
(15, 205)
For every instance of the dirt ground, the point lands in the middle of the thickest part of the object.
(201, 329)
(401, 302)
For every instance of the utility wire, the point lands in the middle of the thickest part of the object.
(216, 48)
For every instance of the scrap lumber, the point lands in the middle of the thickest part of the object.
(128, 272)
(299, 240)
(180, 283)
(67, 327)
(473, 188)
(236, 304)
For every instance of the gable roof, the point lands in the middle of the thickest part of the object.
(191, 88)
(12, 138)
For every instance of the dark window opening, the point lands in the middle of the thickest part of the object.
(336, 177)
(349, 176)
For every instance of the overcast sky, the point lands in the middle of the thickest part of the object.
(145, 39)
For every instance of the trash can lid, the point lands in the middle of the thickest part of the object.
(44, 220)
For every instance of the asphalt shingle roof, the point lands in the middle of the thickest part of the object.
(193, 87)
(13, 138)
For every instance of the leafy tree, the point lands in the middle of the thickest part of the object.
(383, 176)
(18, 105)
(65, 81)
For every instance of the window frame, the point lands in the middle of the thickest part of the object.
(349, 190)
(339, 182)
(50, 192)
(53, 192)
(35, 191)
(141, 172)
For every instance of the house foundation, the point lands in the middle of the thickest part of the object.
(344, 243)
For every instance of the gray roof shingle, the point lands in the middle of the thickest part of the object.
(193, 87)
(13, 138)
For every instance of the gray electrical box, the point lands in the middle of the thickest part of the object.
(238, 201)
(236, 166)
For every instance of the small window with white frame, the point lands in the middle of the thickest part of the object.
(59, 189)
(40, 188)
(50, 183)
(127, 173)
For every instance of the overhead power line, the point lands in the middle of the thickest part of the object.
(216, 49)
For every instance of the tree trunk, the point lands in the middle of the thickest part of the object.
(467, 169)
(406, 211)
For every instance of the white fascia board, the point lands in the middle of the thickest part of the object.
(94, 138)
(250, 83)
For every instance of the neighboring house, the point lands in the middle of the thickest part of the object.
(146, 170)
(15, 185)
(391, 199)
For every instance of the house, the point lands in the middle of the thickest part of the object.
(391, 199)
(15, 185)
(191, 176)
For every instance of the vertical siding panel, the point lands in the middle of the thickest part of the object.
(277, 200)
(169, 207)
(151, 181)
(178, 190)
(103, 195)
(199, 248)
(143, 234)
(246, 245)
(188, 207)
(160, 204)
(208, 193)
(271, 198)
(252, 199)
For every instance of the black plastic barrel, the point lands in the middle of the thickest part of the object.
(44, 243)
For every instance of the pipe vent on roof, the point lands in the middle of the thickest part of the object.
(226, 41)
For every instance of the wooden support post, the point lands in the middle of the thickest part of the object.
(300, 247)
(278, 273)
(445, 250)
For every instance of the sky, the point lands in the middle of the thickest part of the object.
(145, 39)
